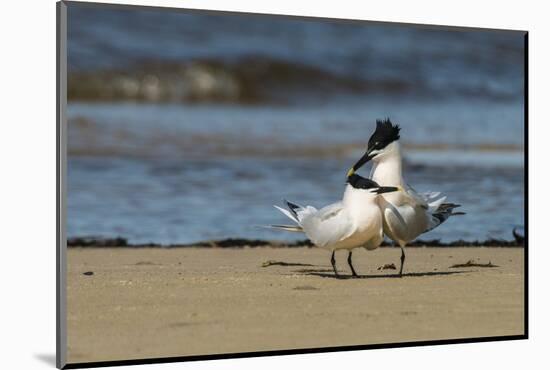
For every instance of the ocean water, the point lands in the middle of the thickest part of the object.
(187, 127)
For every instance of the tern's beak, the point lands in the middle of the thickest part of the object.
(386, 189)
(364, 159)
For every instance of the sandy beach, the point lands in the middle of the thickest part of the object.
(132, 303)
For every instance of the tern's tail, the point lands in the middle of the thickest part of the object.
(296, 229)
(442, 213)
(293, 212)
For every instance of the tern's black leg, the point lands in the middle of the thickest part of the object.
(333, 261)
(402, 261)
(351, 266)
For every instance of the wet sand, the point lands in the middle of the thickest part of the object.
(152, 302)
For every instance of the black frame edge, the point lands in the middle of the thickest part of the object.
(526, 181)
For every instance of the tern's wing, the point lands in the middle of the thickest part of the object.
(405, 221)
(414, 198)
(329, 225)
(412, 213)
(296, 212)
(436, 210)
(330, 211)
(429, 201)
(441, 214)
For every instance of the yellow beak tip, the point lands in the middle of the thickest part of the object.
(350, 172)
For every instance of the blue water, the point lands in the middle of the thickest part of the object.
(186, 127)
(455, 63)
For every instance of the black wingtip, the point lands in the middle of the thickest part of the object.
(292, 207)
(447, 207)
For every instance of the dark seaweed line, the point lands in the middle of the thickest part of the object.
(96, 242)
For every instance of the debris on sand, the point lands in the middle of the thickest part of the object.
(305, 287)
(88, 273)
(280, 263)
(471, 263)
(387, 266)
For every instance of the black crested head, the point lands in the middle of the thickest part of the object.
(385, 133)
(359, 182)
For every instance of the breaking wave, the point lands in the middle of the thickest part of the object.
(248, 80)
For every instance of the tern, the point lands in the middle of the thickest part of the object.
(406, 213)
(355, 221)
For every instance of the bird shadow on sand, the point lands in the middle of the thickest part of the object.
(330, 275)
(281, 263)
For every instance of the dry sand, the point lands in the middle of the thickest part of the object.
(154, 302)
